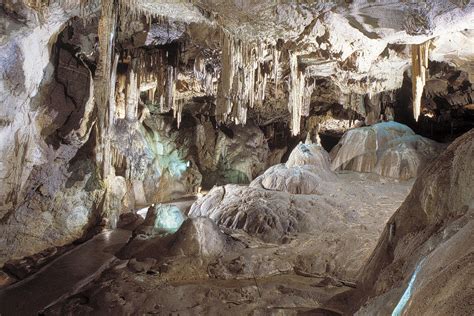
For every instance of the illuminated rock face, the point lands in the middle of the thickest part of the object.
(307, 168)
(49, 190)
(236, 155)
(420, 241)
(389, 149)
(168, 219)
(198, 237)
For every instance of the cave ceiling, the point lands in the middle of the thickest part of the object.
(282, 49)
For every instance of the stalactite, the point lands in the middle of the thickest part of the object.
(276, 65)
(209, 88)
(132, 95)
(204, 76)
(300, 91)
(86, 7)
(112, 100)
(419, 54)
(170, 88)
(243, 78)
(177, 110)
(199, 68)
(224, 102)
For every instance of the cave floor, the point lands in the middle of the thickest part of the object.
(63, 276)
(282, 279)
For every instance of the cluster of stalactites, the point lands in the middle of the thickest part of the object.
(157, 76)
(131, 10)
(244, 75)
(419, 54)
(204, 76)
(300, 91)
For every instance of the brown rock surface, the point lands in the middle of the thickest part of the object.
(431, 233)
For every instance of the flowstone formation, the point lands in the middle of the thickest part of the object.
(307, 168)
(302, 196)
(389, 149)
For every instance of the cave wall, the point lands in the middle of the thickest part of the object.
(53, 192)
(95, 98)
(427, 243)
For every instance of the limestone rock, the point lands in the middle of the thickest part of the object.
(256, 211)
(334, 223)
(129, 220)
(198, 237)
(231, 155)
(427, 248)
(389, 149)
(142, 265)
(5, 279)
(161, 219)
(307, 168)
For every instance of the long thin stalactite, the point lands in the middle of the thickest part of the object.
(419, 56)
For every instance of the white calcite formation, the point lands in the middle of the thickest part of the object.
(244, 76)
(389, 149)
(300, 92)
(418, 74)
(307, 168)
(198, 237)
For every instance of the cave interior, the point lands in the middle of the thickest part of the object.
(239, 157)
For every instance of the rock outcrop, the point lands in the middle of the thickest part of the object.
(198, 237)
(423, 261)
(50, 189)
(230, 155)
(389, 149)
(307, 168)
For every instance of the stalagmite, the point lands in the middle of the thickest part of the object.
(419, 55)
